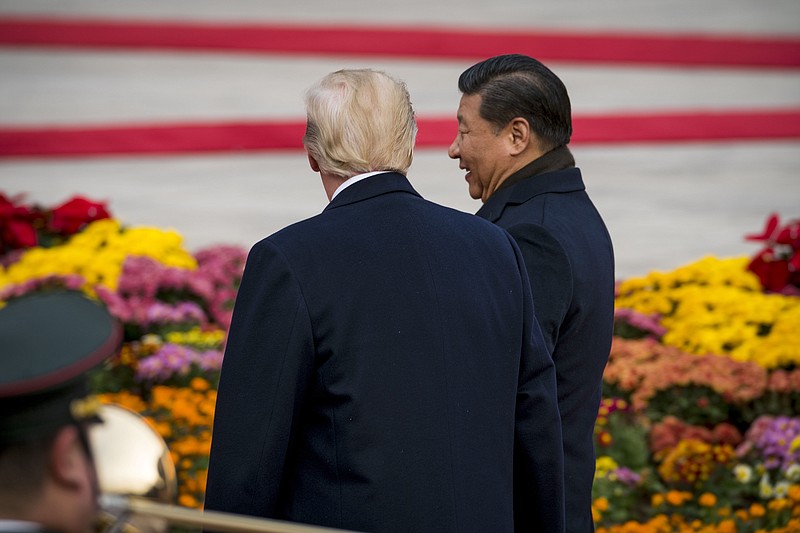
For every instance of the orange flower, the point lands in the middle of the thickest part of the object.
(677, 498)
(125, 399)
(726, 526)
(707, 500)
(163, 428)
(779, 504)
(187, 500)
(190, 485)
(199, 384)
(162, 396)
(601, 504)
(604, 438)
(757, 510)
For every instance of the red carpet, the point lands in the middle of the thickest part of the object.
(433, 133)
(660, 49)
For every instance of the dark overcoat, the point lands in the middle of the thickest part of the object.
(570, 262)
(384, 372)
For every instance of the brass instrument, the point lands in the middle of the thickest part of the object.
(212, 520)
(139, 486)
(131, 460)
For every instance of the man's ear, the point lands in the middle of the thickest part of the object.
(520, 135)
(67, 458)
(313, 162)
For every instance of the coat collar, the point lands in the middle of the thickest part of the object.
(560, 181)
(371, 187)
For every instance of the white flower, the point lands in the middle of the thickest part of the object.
(782, 489)
(743, 473)
(765, 489)
(793, 472)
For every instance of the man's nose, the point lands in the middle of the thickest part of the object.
(453, 151)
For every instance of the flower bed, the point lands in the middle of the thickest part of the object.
(699, 429)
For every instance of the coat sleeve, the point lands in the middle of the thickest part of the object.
(550, 275)
(266, 369)
(538, 451)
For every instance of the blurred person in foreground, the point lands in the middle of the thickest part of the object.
(384, 371)
(514, 124)
(47, 475)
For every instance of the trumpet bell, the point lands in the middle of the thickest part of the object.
(132, 459)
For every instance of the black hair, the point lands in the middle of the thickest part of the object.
(515, 85)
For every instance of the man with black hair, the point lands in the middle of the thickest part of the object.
(514, 125)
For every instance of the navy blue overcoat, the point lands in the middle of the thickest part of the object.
(570, 262)
(384, 373)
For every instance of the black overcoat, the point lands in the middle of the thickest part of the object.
(570, 262)
(384, 372)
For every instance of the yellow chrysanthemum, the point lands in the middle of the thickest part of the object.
(97, 254)
(604, 465)
(716, 306)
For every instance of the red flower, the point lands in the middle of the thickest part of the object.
(17, 228)
(726, 433)
(72, 215)
(604, 439)
(777, 265)
(768, 231)
(773, 273)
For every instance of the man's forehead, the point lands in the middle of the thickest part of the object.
(469, 104)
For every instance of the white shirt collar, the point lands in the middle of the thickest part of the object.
(358, 177)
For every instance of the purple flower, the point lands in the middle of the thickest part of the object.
(770, 439)
(116, 305)
(649, 324)
(173, 360)
(160, 313)
(627, 476)
(52, 282)
(139, 277)
(203, 294)
(210, 360)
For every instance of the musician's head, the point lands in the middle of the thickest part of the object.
(50, 341)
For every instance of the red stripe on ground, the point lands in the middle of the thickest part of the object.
(151, 139)
(669, 49)
(433, 132)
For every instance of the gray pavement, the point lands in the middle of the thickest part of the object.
(665, 204)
